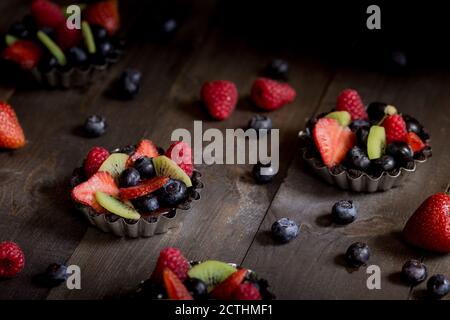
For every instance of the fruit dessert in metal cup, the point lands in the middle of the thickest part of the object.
(137, 191)
(364, 150)
(175, 278)
(52, 49)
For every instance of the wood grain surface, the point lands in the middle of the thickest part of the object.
(233, 218)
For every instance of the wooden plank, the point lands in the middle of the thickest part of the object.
(224, 222)
(312, 266)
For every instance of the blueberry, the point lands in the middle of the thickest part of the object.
(168, 26)
(357, 254)
(95, 126)
(55, 274)
(414, 272)
(284, 230)
(129, 150)
(48, 63)
(172, 193)
(128, 89)
(259, 122)
(151, 290)
(149, 203)
(401, 151)
(277, 69)
(197, 288)
(385, 163)
(358, 158)
(355, 125)
(412, 126)
(376, 110)
(343, 212)
(77, 56)
(19, 30)
(104, 48)
(145, 167)
(362, 134)
(399, 59)
(438, 286)
(99, 32)
(129, 178)
(266, 176)
(133, 75)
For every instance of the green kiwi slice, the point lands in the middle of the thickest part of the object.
(88, 37)
(168, 168)
(54, 49)
(115, 164)
(116, 206)
(10, 39)
(376, 142)
(211, 272)
(343, 117)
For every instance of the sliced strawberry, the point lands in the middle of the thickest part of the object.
(225, 289)
(415, 142)
(145, 148)
(332, 140)
(174, 287)
(11, 133)
(144, 188)
(181, 153)
(84, 193)
(105, 14)
(23, 52)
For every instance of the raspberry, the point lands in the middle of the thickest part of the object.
(395, 128)
(173, 259)
(47, 14)
(270, 94)
(68, 38)
(246, 291)
(350, 101)
(220, 98)
(181, 154)
(94, 160)
(12, 259)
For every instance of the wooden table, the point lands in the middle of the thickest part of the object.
(233, 219)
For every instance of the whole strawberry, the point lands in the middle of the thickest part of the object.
(173, 259)
(105, 14)
(94, 159)
(23, 52)
(181, 153)
(11, 133)
(429, 226)
(270, 95)
(395, 128)
(220, 98)
(12, 259)
(47, 13)
(350, 101)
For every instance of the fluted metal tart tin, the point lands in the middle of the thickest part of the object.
(73, 78)
(363, 183)
(146, 226)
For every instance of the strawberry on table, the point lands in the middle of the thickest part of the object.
(395, 128)
(174, 260)
(270, 94)
(429, 226)
(11, 133)
(84, 193)
(332, 140)
(350, 101)
(174, 287)
(220, 98)
(224, 290)
(143, 188)
(23, 52)
(105, 14)
(94, 159)
(181, 153)
(145, 148)
(47, 13)
(415, 142)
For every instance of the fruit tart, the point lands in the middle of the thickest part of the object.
(136, 191)
(364, 150)
(43, 46)
(175, 278)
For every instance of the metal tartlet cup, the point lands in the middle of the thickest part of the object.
(364, 182)
(147, 225)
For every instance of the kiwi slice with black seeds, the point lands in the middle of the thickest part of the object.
(168, 168)
(211, 272)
